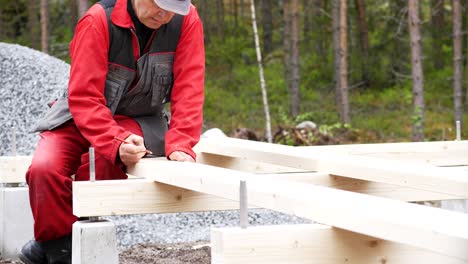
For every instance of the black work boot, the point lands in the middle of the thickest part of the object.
(58, 251)
(32, 253)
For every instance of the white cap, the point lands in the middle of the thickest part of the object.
(181, 7)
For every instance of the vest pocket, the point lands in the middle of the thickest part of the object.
(161, 84)
(112, 92)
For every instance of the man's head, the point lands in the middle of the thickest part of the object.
(155, 13)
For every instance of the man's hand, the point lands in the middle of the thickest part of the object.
(180, 156)
(131, 152)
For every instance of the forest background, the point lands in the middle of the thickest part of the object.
(362, 70)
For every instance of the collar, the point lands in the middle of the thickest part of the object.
(120, 16)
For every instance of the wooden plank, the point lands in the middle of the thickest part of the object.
(13, 168)
(428, 228)
(245, 165)
(447, 147)
(419, 176)
(269, 171)
(438, 153)
(140, 196)
(313, 243)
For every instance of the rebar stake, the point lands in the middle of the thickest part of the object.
(243, 205)
(458, 125)
(92, 176)
(92, 166)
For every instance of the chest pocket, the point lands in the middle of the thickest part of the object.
(162, 78)
(117, 81)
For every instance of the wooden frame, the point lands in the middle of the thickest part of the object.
(428, 228)
(334, 185)
(452, 181)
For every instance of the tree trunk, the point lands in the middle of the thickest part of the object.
(267, 22)
(437, 23)
(73, 15)
(2, 25)
(307, 24)
(364, 40)
(33, 24)
(417, 70)
(466, 52)
(295, 67)
(465, 9)
(345, 116)
(44, 26)
(287, 43)
(83, 6)
(220, 18)
(336, 52)
(457, 60)
(340, 58)
(260, 70)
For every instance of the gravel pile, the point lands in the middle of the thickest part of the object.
(29, 79)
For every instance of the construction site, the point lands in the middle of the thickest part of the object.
(241, 201)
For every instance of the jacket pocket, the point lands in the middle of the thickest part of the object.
(57, 115)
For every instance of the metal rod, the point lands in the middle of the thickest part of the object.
(13, 141)
(458, 124)
(243, 205)
(92, 167)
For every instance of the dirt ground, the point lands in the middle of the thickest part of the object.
(167, 254)
(160, 254)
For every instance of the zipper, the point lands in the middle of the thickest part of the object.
(138, 42)
(132, 85)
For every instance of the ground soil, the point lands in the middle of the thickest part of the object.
(167, 254)
(160, 253)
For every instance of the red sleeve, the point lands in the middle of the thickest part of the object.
(188, 90)
(89, 55)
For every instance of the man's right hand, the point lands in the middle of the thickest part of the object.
(131, 152)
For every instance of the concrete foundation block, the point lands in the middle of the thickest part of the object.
(94, 243)
(16, 221)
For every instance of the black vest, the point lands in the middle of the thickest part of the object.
(138, 90)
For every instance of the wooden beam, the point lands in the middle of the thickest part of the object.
(313, 243)
(267, 171)
(240, 164)
(13, 168)
(140, 196)
(452, 181)
(428, 228)
(437, 153)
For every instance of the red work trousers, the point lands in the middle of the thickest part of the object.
(61, 153)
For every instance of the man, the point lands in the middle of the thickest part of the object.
(129, 58)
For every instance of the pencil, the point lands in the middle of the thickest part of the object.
(126, 142)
